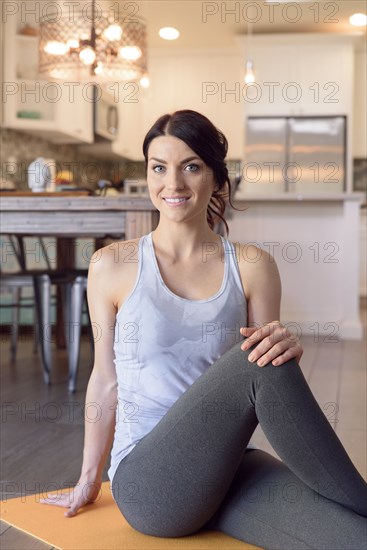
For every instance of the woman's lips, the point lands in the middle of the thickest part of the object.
(176, 202)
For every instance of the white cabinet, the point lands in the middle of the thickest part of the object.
(362, 252)
(359, 103)
(57, 111)
(207, 82)
(130, 136)
(301, 74)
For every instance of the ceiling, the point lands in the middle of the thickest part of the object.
(211, 25)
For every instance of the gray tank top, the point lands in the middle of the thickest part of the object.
(164, 342)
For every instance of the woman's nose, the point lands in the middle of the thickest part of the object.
(175, 180)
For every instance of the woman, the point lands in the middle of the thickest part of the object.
(190, 391)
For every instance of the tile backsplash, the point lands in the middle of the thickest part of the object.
(19, 149)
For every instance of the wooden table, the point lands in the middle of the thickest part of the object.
(67, 216)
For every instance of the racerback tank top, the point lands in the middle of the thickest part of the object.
(164, 342)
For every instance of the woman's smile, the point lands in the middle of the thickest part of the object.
(175, 202)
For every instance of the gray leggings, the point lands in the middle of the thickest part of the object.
(192, 471)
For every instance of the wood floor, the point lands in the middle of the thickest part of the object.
(42, 427)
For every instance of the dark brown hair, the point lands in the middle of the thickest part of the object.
(209, 143)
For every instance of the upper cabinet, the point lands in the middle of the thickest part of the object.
(204, 81)
(301, 75)
(59, 111)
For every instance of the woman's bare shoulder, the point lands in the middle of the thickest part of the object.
(250, 253)
(116, 255)
(254, 264)
(113, 269)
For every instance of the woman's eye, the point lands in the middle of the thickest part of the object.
(157, 168)
(194, 167)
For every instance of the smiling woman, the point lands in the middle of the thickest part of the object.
(179, 392)
(205, 169)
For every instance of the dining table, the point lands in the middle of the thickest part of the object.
(68, 216)
(71, 214)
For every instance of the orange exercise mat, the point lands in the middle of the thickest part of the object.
(100, 526)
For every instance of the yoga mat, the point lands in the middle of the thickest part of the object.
(100, 526)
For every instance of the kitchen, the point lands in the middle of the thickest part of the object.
(308, 63)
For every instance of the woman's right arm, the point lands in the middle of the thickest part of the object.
(101, 396)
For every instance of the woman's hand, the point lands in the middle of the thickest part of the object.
(85, 492)
(277, 344)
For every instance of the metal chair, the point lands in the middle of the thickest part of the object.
(15, 282)
(75, 292)
(73, 285)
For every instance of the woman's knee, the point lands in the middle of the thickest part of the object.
(240, 356)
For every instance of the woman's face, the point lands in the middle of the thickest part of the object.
(175, 171)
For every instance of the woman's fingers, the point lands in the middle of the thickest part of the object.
(278, 354)
(73, 510)
(272, 329)
(57, 500)
(264, 356)
(247, 330)
(290, 353)
(85, 492)
(277, 344)
(64, 501)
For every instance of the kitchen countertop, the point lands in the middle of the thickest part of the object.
(300, 197)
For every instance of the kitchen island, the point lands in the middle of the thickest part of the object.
(315, 242)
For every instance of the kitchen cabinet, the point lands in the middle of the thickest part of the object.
(130, 134)
(362, 252)
(2, 58)
(58, 111)
(314, 240)
(208, 82)
(301, 74)
(359, 101)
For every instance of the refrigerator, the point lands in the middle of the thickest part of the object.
(294, 154)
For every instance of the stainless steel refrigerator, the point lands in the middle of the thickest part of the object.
(295, 154)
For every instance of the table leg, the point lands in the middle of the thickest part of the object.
(139, 223)
(65, 260)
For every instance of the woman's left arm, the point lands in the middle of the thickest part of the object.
(275, 342)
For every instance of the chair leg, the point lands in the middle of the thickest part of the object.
(42, 291)
(90, 328)
(35, 333)
(74, 316)
(15, 324)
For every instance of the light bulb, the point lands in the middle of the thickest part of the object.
(87, 55)
(99, 68)
(249, 76)
(358, 19)
(113, 32)
(73, 43)
(59, 73)
(56, 48)
(131, 53)
(145, 82)
(169, 33)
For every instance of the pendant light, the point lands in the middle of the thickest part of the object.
(249, 74)
(92, 46)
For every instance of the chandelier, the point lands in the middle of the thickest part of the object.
(91, 45)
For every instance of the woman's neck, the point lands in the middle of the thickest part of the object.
(181, 241)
